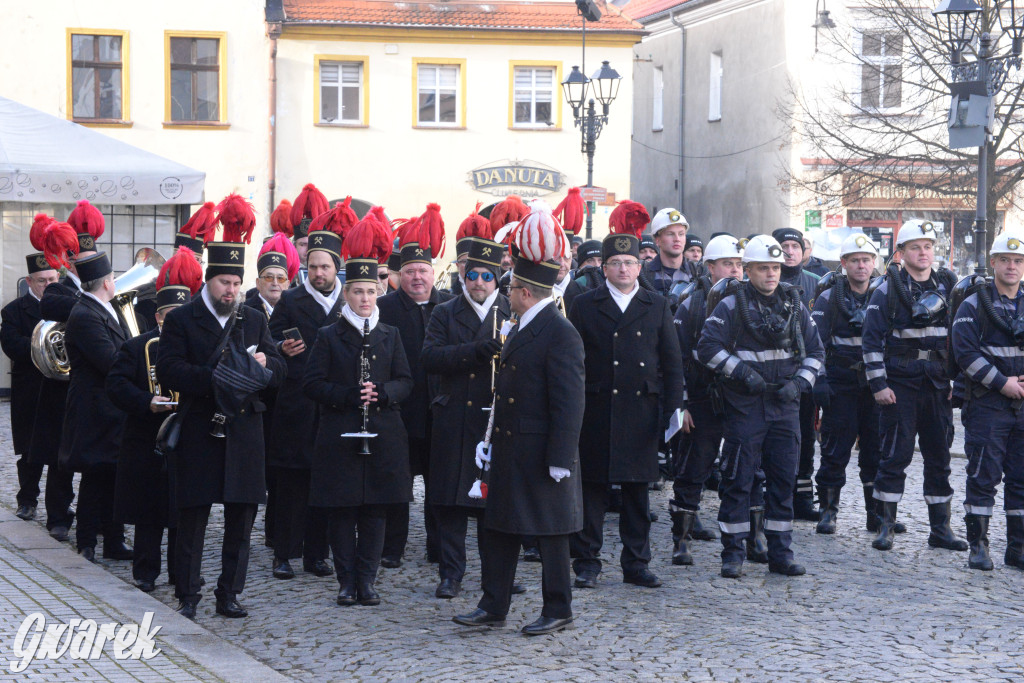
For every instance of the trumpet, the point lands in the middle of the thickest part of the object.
(154, 385)
(364, 377)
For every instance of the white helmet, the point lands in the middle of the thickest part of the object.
(858, 243)
(723, 246)
(916, 230)
(1008, 242)
(763, 249)
(666, 218)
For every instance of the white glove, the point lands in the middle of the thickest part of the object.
(483, 455)
(475, 492)
(558, 473)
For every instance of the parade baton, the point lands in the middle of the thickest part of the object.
(479, 489)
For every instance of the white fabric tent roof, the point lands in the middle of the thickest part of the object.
(44, 158)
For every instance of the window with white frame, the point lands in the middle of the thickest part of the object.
(881, 71)
(658, 103)
(438, 89)
(715, 88)
(341, 92)
(534, 96)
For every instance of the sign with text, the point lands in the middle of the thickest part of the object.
(519, 177)
(594, 194)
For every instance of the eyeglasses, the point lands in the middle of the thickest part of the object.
(271, 279)
(382, 275)
(511, 287)
(473, 275)
(630, 263)
(462, 261)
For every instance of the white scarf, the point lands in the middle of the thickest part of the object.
(622, 299)
(481, 309)
(534, 310)
(326, 302)
(558, 289)
(357, 320)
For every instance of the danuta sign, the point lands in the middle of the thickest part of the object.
(523, 178)
(81, 639)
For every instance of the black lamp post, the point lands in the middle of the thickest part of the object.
(974, 86)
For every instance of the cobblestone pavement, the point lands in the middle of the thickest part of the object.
(911, 614)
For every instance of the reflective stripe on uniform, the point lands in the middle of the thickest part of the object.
(807, 375)
(848, 341)
(976, 366)
(919, 332)
(978, 510)
(777, 525)
(730, 365)
(717, 358)
(938, 500)
(874, 357)
(813, 363)
(1003, 351)
(764, 356)
(737, 528)
(987, 379)
(886, 497)
(874, 374)
(1015, 513)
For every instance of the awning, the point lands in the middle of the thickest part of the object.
(44, 158)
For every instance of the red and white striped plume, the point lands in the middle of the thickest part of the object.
(539, 236)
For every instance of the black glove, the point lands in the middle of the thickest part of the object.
(822, 393)
(754, 383)
(789, 392)
(486, 349)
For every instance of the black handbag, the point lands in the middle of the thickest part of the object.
(238, 376)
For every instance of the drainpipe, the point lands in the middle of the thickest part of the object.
(682, 109)
(273, 32)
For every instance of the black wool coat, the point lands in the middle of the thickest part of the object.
(634, 382)
(92, 423)
(206, 469)
(464, 390)
(17, 321)
(141, 492)
(293, 426)
(340, 476)
(537, 419)
(267, 396)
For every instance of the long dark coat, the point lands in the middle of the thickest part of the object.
(58, 300)
(537, 420)
(267, 396)
(206, 469)
(293, 427)
(340, 476)
(141, 491)
(92, 423)
(464, 390)
(634, 381)
(19, 318)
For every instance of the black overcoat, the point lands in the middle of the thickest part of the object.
(267, 396)
(92, 423)
(17, 320)
(207, 469)
(464, 390)
(634, 381)
(538, 414)
(340, 476)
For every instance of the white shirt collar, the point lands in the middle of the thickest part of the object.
(105, 304)
(558, 289)
(74, 278)
(622, 299)
(269, 307)
(222, 319)
(525, 319)
(33, 295)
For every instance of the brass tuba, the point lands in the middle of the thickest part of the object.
(445, 277)
(49, 354)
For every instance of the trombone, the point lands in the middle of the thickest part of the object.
(154, 385)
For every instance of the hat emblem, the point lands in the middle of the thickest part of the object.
(364, 270)
(419, 252)
(86, 242)
(233, 255)
(318, 240)
(275, 258)
(622, 245)
(486, 251)
(1013, 243)
(41, 262)
(181, 296)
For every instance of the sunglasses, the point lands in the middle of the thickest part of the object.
(473, 275)
(271, 279)
(382, 276)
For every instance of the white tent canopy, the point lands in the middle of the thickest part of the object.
(44, 158)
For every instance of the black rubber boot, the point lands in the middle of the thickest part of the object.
(1014, 556)
(682, 522)
(828, 506)
(942, 535)
(757, 544)
(871, 506)
(699, 532)
(977, 539)
(887, 519)
(803, 506)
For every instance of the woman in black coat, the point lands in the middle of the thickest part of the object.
(355, 489)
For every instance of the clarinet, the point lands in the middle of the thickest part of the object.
(364, 377)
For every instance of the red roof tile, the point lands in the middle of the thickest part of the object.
(641, 9)
(528, 16)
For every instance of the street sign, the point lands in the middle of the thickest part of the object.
(812, 219)
(594, 194)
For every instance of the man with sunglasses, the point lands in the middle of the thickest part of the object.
(270, 283)
(634, 379)
(462, 340)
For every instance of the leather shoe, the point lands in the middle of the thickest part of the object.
(391, 562)
(283, 570)
(787, 568)
(367, 595)
(644, 578)
(318, 568)
(518, 589)
(88, 553)
(187, 609)
(732, 570)
(60, 533)
(26, 512)
(347, 595)
(121, 551)
(145, 586)
(479, 617)
(545, 625)
(448, 589)
(231, 609)
(586, 579)
(531, 555)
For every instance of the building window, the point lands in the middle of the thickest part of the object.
(881, 72)
(534, 96)
(715, 88)
(341, 88)
(658, 100)
(196, 78)
(440, 89)
(98, 76)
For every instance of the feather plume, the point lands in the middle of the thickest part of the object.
(431, 231)
(202, 224)
(281, 219)
(35, 233)
(181, 269)
(338, 220)
(407, 230)
(509, 210)
(571, 211)
(58, 240)
(310, 203)
(280, 243)
(237, 217)
(539, 236)
(475, 225)
(86, 219)
(369, 238)
(628, 217)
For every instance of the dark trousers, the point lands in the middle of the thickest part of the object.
(96, 508)
(805, 469)
(995, 449)
(767, 438)
(146, 559)
(499, 557)
(60, 493)
(851, 414)
(356, 535)
(695, 456)
(634, 528)
(924, 413)
(234, 556)
(29, 475)
(396, 533)
(452, 525)
(299, 530)
(270, 510)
